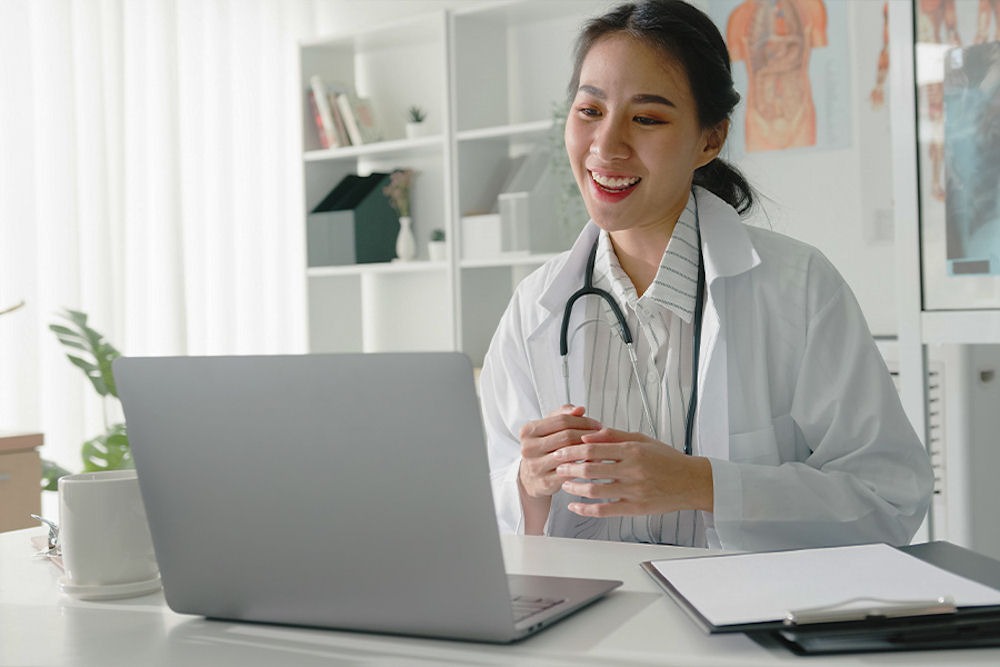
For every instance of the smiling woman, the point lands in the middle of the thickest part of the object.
(774, 425)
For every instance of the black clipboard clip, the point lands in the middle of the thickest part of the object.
(835, 613)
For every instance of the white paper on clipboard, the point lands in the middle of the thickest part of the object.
(750, 588)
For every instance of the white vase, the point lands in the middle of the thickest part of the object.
(406, 245)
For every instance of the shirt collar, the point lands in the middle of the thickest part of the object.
(675, 285)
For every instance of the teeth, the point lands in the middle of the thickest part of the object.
(614, 183)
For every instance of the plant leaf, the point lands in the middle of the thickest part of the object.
(108, 451)
(98, 352)
(51, 472)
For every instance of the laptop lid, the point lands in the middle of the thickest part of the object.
(343, 491)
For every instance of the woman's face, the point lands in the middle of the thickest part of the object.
(633, 135)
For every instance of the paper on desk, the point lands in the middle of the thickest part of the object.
(763, 587)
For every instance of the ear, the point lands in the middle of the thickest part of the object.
(715, 139)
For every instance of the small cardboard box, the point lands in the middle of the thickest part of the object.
(20, 480)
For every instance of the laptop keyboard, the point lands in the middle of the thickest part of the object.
(527, 605)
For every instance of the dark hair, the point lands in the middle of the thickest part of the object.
(687, 35)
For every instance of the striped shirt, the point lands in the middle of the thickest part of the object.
(662, 327)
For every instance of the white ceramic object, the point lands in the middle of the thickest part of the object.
(406, 245)
(415, 130)
(437, 251)
(107, 551)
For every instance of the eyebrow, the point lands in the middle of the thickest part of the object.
(641, 98)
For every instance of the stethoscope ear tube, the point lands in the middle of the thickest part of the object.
(626, 335)
(699, 315)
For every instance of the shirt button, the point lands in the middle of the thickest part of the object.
(652, 378)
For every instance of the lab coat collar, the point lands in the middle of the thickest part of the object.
(569, 277)
(725, 243)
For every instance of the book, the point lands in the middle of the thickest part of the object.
(320, 100)
(359, 118)
(324, 140)
(338, 120)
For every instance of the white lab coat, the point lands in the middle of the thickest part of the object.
(797, 412)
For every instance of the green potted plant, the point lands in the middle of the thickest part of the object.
(437, 248)
(89, 351)
(415, 127)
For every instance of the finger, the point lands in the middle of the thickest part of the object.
(612, 435)
(569, 409)
(588, 470)
(601, 451)
(614, 508)
(593, 489)
(547, 426)
(537, 480)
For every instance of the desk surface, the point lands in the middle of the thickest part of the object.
(635, 625)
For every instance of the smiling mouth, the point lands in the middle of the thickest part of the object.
(614, 184)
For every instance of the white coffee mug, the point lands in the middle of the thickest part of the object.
(107, 551)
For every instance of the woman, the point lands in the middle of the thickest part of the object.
(795, 437)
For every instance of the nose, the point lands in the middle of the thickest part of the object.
(610, 142)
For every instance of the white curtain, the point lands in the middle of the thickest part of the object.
(150, 175)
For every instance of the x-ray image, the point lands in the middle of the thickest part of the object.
(972, 159)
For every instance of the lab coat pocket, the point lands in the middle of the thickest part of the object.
(758, 446)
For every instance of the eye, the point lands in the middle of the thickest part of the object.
(647, 121)
(588, 112)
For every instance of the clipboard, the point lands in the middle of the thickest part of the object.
(949, 625)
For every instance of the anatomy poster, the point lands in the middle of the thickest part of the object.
(791, 65)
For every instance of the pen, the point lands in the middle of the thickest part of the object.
(885, 609)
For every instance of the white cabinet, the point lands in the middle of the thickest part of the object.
(489, 77)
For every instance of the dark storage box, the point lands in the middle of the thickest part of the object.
(354, 224)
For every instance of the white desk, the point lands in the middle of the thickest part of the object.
(635, 625)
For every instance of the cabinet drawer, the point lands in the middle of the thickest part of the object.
(20, 489)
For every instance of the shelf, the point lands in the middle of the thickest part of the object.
(507, 260)
(429, 144)
(960, 326)
(416, 266)
(507, 131)
(489, 76)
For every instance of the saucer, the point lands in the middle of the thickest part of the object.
(109, 591)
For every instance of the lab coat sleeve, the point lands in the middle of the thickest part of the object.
(508, 401)
(867, 477)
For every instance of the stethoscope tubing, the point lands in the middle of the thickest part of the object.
(625, 332)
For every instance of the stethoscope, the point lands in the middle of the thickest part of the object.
(626, 335)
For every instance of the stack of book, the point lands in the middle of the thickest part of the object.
(342, 117)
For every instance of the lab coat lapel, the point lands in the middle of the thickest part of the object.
(543, 340)
(727, 251)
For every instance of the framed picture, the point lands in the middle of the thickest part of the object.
(957, 79)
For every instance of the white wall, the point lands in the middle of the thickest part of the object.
(841, 200)
(337, 16)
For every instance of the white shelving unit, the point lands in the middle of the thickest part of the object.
(489, 77)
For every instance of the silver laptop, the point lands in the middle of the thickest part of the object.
(340, 491)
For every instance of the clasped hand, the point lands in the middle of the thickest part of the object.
(632, 473)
